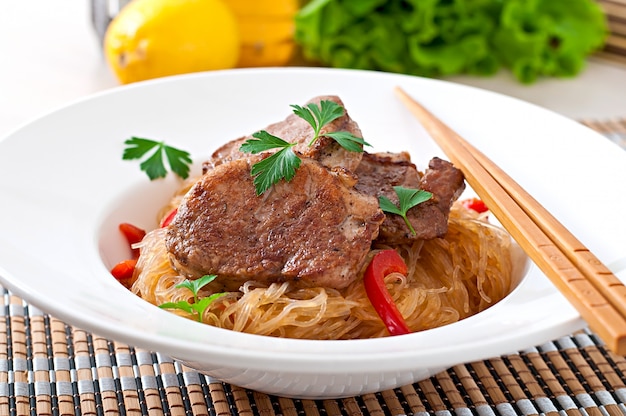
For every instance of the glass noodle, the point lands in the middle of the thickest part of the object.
(449, 279)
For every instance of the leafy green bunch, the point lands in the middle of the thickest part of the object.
(432, 38)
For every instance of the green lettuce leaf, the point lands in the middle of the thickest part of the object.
(532, 38)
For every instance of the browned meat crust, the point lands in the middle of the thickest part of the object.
(319, 235)
(315, 230)
(378, 173)
(295, 129)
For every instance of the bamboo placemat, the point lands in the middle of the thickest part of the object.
(615, 47)
(48, 367)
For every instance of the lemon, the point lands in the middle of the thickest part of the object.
(155, 38)
(266, 31)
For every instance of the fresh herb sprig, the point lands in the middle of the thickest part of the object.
(153, 165)
(198, 306)
(324, 113)
(318, 115)
(407, 199)
(284, 163)
(280, 165)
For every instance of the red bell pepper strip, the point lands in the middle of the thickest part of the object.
(133, 235)
(475, 204)
(123, 271)
(168, 218)
(382, 264)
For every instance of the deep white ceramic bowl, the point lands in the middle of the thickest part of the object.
(64, 188)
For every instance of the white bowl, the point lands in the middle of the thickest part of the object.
(64, 188)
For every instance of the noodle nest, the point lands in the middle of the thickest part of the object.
(449, 279)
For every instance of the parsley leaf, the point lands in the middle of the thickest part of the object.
(262, 142)
(195, 285)
(348, 141)
(320, 115)
(198, 306)
(153, 165)
(280, 165)
(407, 198)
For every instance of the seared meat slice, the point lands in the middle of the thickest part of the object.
(378, 173)
(294, 129)
(315, 230)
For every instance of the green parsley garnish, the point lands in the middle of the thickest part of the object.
(407, 198)
(198, 306)
(178, 160)
(347, 140)
(284, 163)
(280, 165)
(321, 115)
(318, 115)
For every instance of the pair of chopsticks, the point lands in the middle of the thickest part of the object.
(597, 294)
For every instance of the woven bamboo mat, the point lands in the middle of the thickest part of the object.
(615, 47)
(48, 367)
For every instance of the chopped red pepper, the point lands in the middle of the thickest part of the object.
(168, 218)
(123, 271)
(383, 263)
(475, 204)
(133, 235)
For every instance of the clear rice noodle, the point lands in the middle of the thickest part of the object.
(449, 279)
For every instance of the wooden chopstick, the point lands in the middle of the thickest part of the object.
(597, 294)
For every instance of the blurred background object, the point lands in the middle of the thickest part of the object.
(53, 56)
(266, 29)
(433, 38)
(102, 12)
(145, 39)
(615, 47)
(157, 38)
(532, 38)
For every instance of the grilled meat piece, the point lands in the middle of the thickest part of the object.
(315, 230)
(378, 173)
(294, 129)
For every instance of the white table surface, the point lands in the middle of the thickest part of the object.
(50, 56)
